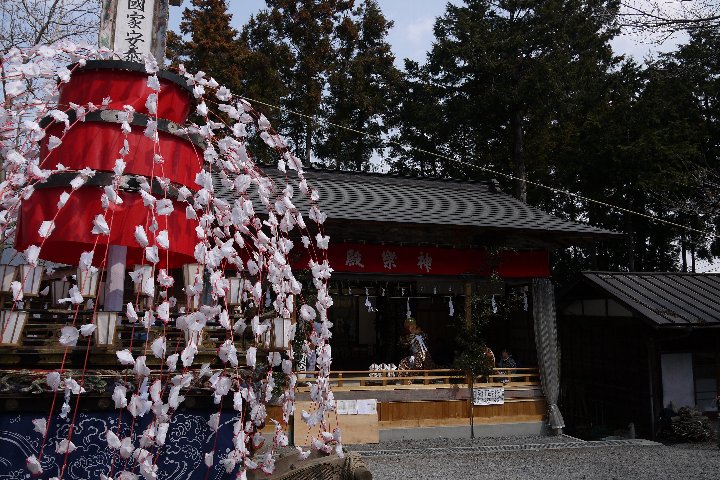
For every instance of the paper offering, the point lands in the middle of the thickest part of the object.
(367, 407)
(488, 396)
(346, 407)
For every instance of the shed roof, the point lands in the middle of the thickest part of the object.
(665, 299)
(382, 198)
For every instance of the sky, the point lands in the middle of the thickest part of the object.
(412, 35)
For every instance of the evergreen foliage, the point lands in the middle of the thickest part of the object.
(530, 88)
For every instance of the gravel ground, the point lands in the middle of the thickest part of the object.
(460, 442)
(654, 462)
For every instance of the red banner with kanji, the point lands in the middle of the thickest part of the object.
(402, 260)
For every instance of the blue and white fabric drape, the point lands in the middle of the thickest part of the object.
(181, 458)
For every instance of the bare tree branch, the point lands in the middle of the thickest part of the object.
(665, 17)
(27, 23)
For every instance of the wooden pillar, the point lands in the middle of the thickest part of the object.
(470, 379)
(115, 278)
(468, 303)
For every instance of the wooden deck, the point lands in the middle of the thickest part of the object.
(435, 398)
(407, 399)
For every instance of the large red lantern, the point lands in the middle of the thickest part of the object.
(95, 142)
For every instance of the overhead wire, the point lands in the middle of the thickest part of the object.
(508, 176)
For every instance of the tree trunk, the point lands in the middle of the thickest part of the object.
(692, 257)
(683, 252)
(518, 154)
(631, 243)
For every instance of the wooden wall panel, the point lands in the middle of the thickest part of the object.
(406, 414)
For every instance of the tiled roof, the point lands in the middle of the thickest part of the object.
(380, 198)
(665, 298)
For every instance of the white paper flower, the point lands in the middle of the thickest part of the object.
(76, 297)
(14, 88)
(65, 446)
(64, 196)
(250, 356)
(112, 195)
(17, 291)
(188, 354)
(31, 255)
(33, 465)
(69, 336)
(100, 226)
(322, 241)
(158, 347)
(46, 228)
(151, 254)
(164, 279)
(125, 357)
(112, 440)
(140, 368)
(87, 329)
(171, 362)
(151, 64)
(40, 426)
(164, 206)
(162, 239)
(130, 313)
(53, 380)
(119, 396)
(141, 236)
(151, 103)
(119, 167)
(214, 422)
(126, 448)
(154, 83)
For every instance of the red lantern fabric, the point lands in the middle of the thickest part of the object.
(72, 234)
(124, 87)
(97, 145)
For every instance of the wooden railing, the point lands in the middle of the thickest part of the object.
(382, 378)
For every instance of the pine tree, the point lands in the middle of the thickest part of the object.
(297, 38)
(361, 85)
(335, 65)
(501, 74)
(213, 45)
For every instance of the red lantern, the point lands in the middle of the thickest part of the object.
(96, 142)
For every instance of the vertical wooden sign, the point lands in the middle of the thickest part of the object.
(134, 28)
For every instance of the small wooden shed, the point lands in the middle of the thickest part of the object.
(633, 343)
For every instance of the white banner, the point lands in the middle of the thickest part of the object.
(488, 396)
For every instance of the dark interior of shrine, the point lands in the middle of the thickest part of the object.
(369, 321)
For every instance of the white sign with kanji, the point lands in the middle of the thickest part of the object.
(134, 28)
(488, 396)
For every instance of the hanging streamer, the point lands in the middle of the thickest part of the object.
(368, 304)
